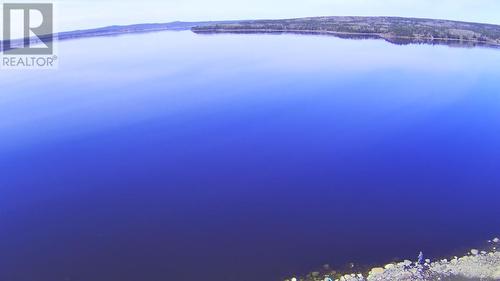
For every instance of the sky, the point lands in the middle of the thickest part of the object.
(78, 14)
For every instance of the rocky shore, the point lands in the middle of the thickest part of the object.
(476, 265)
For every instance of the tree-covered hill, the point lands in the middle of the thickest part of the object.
(389, 28)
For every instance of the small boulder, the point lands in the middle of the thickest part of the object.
(389, 266)
(496, 275)
(377, 271)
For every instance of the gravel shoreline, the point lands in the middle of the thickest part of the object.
(476, 265)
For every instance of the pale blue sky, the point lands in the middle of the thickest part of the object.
(85, 14)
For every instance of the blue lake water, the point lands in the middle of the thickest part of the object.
(176, 156)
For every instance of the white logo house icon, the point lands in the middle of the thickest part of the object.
(28, 29)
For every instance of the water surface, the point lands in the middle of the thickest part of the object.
(176, 156)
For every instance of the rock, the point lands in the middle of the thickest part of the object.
(377, 271)
(294, 279)
(496, 240)
(496, 275)
(389, 266)
(427, 260)
(407, 263)
(474, 252)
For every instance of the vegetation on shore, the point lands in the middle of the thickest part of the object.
(393, 29)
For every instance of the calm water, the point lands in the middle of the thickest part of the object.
(175, 156)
